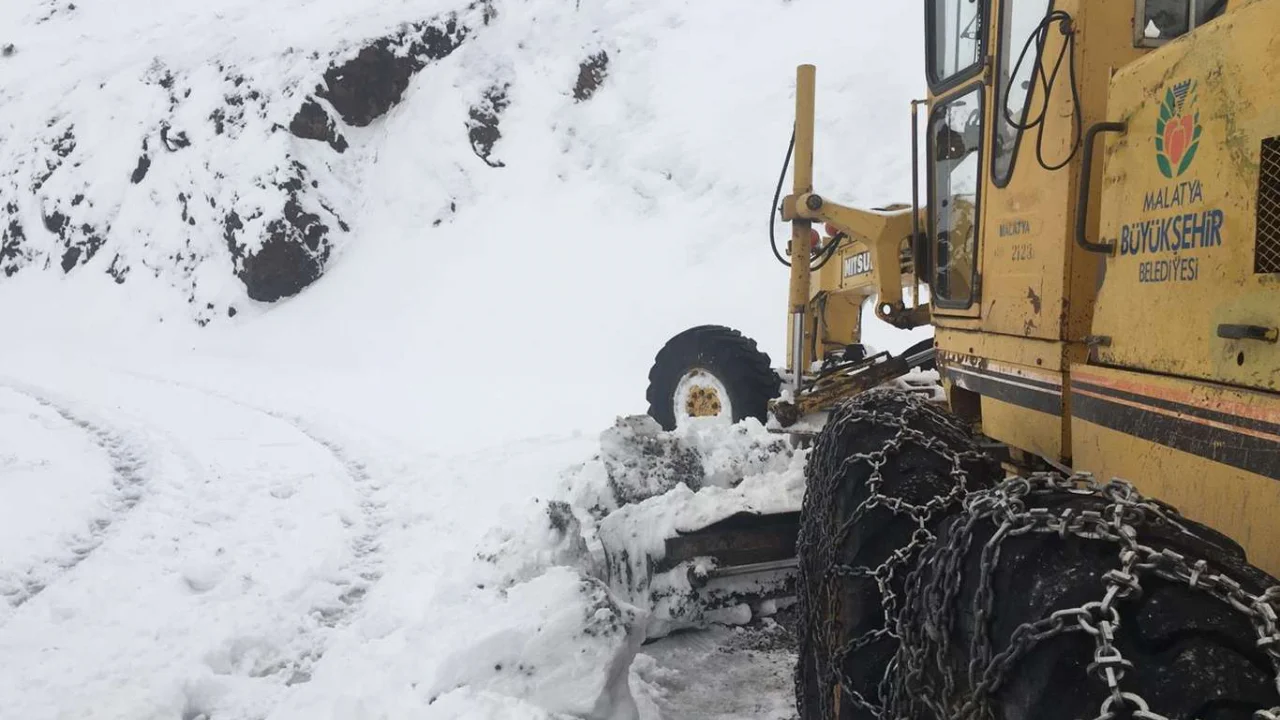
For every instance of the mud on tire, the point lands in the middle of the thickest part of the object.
(725, 354)
(963, 625)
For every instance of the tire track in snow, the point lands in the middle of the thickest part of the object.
(128, 481)
(364, 569)
(365, 546)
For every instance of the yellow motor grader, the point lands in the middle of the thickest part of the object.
(1065, 504)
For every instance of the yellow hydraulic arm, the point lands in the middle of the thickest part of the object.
(883, 232)
(890, 237)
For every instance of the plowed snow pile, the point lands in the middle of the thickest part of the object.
(312, 313)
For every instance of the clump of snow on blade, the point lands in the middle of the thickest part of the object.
(639, 460)
(736, 468)
(731, 453)
(642, 530)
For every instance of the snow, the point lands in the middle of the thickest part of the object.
(721, 674)
(344, 504)
(75, 479)
(647, 485)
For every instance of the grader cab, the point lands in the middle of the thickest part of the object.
(1064, 504)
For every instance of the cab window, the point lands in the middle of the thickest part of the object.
(1163, 20)
(955, 136)
(955, 45)
(1019, 21)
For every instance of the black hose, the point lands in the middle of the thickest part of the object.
(823, 257)
(1040, 36)
(777, 195)
(830, 250)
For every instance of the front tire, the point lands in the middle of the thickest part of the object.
(710, 371)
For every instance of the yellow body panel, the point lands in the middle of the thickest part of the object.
(1020, 384)
(1115, 364)
(1186, 231)
(1029, 352)
(1027, 430)
(1127, 424)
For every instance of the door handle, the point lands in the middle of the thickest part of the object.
(1248, 332)
(1082, 202)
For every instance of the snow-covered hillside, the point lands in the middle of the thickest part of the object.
(308, 307)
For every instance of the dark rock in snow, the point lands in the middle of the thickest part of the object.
(56, 223)
(80, 242)
(283, 266)
(61, 147)
(66, 144)
(118, 270)
(173, 142)
(231, 225)
(482, 128)
(219, 119)
(591, 73)
(11, 239)
(312, 123)
(70, 258)
(365, 87)
(294, 249)
(144, 165)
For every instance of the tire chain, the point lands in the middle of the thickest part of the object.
(822, 546)
(922, 628)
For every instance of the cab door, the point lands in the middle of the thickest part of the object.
(956, 54)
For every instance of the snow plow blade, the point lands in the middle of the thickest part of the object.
(756, 550)
(743, 539)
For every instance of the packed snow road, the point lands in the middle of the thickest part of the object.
(179, 531)
(719, 674)
(173, 548)
(77, 478)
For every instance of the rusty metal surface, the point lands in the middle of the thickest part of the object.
(744, 538)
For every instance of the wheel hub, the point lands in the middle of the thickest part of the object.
(703, 402)
(699, 394)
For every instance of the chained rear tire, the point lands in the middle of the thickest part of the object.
(1193, 655)
(731, 362)
(926, 458)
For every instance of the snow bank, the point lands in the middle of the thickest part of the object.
(558, 595)
(560, 640)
